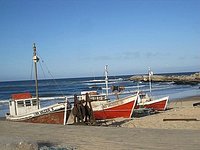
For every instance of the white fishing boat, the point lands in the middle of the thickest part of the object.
(23, 107)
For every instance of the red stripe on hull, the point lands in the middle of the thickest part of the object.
(161, 105)
(124, 111)
(158, 105)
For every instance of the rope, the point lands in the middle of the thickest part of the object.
(61, 92)
(42, 70)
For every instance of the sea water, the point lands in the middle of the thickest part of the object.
(60, 88)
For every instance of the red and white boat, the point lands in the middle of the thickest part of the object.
(144, 101)
(100, 108)
(23, 107)
(115, 109)
(105, 109)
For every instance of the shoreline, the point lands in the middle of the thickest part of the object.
(188, 98)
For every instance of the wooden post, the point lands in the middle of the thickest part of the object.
(92, 118)
(65, 114)
(78, 111)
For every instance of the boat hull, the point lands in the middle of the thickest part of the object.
(51, 118)
(53, 114)
(160, 104)
(116, 109)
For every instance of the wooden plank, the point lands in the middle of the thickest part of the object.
(181, 119)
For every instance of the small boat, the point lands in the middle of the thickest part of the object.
(23, 107)
(104, 109)
(115, 109)
(145, 101)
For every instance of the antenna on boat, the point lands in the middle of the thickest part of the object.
(106, 79)
(150, 74)
(35, 60)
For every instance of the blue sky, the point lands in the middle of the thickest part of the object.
(77, 38)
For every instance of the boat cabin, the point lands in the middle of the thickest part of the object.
(94, 95)
(22, 103)
(96, 98)
(143, 97)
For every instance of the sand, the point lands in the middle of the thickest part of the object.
(149, 132)
(180, 109)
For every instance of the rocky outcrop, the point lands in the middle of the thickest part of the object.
(193, 79)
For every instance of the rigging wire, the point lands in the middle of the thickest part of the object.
(61, 92)
(42, 70)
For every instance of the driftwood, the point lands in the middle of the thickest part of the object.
(181, 119)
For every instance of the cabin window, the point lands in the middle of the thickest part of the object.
(142, 96)
(28, 102)
(10, 103)
(34, 102)
(20, 103)
(93, 98)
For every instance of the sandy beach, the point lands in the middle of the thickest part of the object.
(179, 109)
(149, 132)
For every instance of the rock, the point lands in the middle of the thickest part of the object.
(193, 79)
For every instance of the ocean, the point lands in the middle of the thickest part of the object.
(57, 89)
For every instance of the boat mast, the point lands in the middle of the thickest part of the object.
(106, 80)
(150, 74)
(35, 60)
